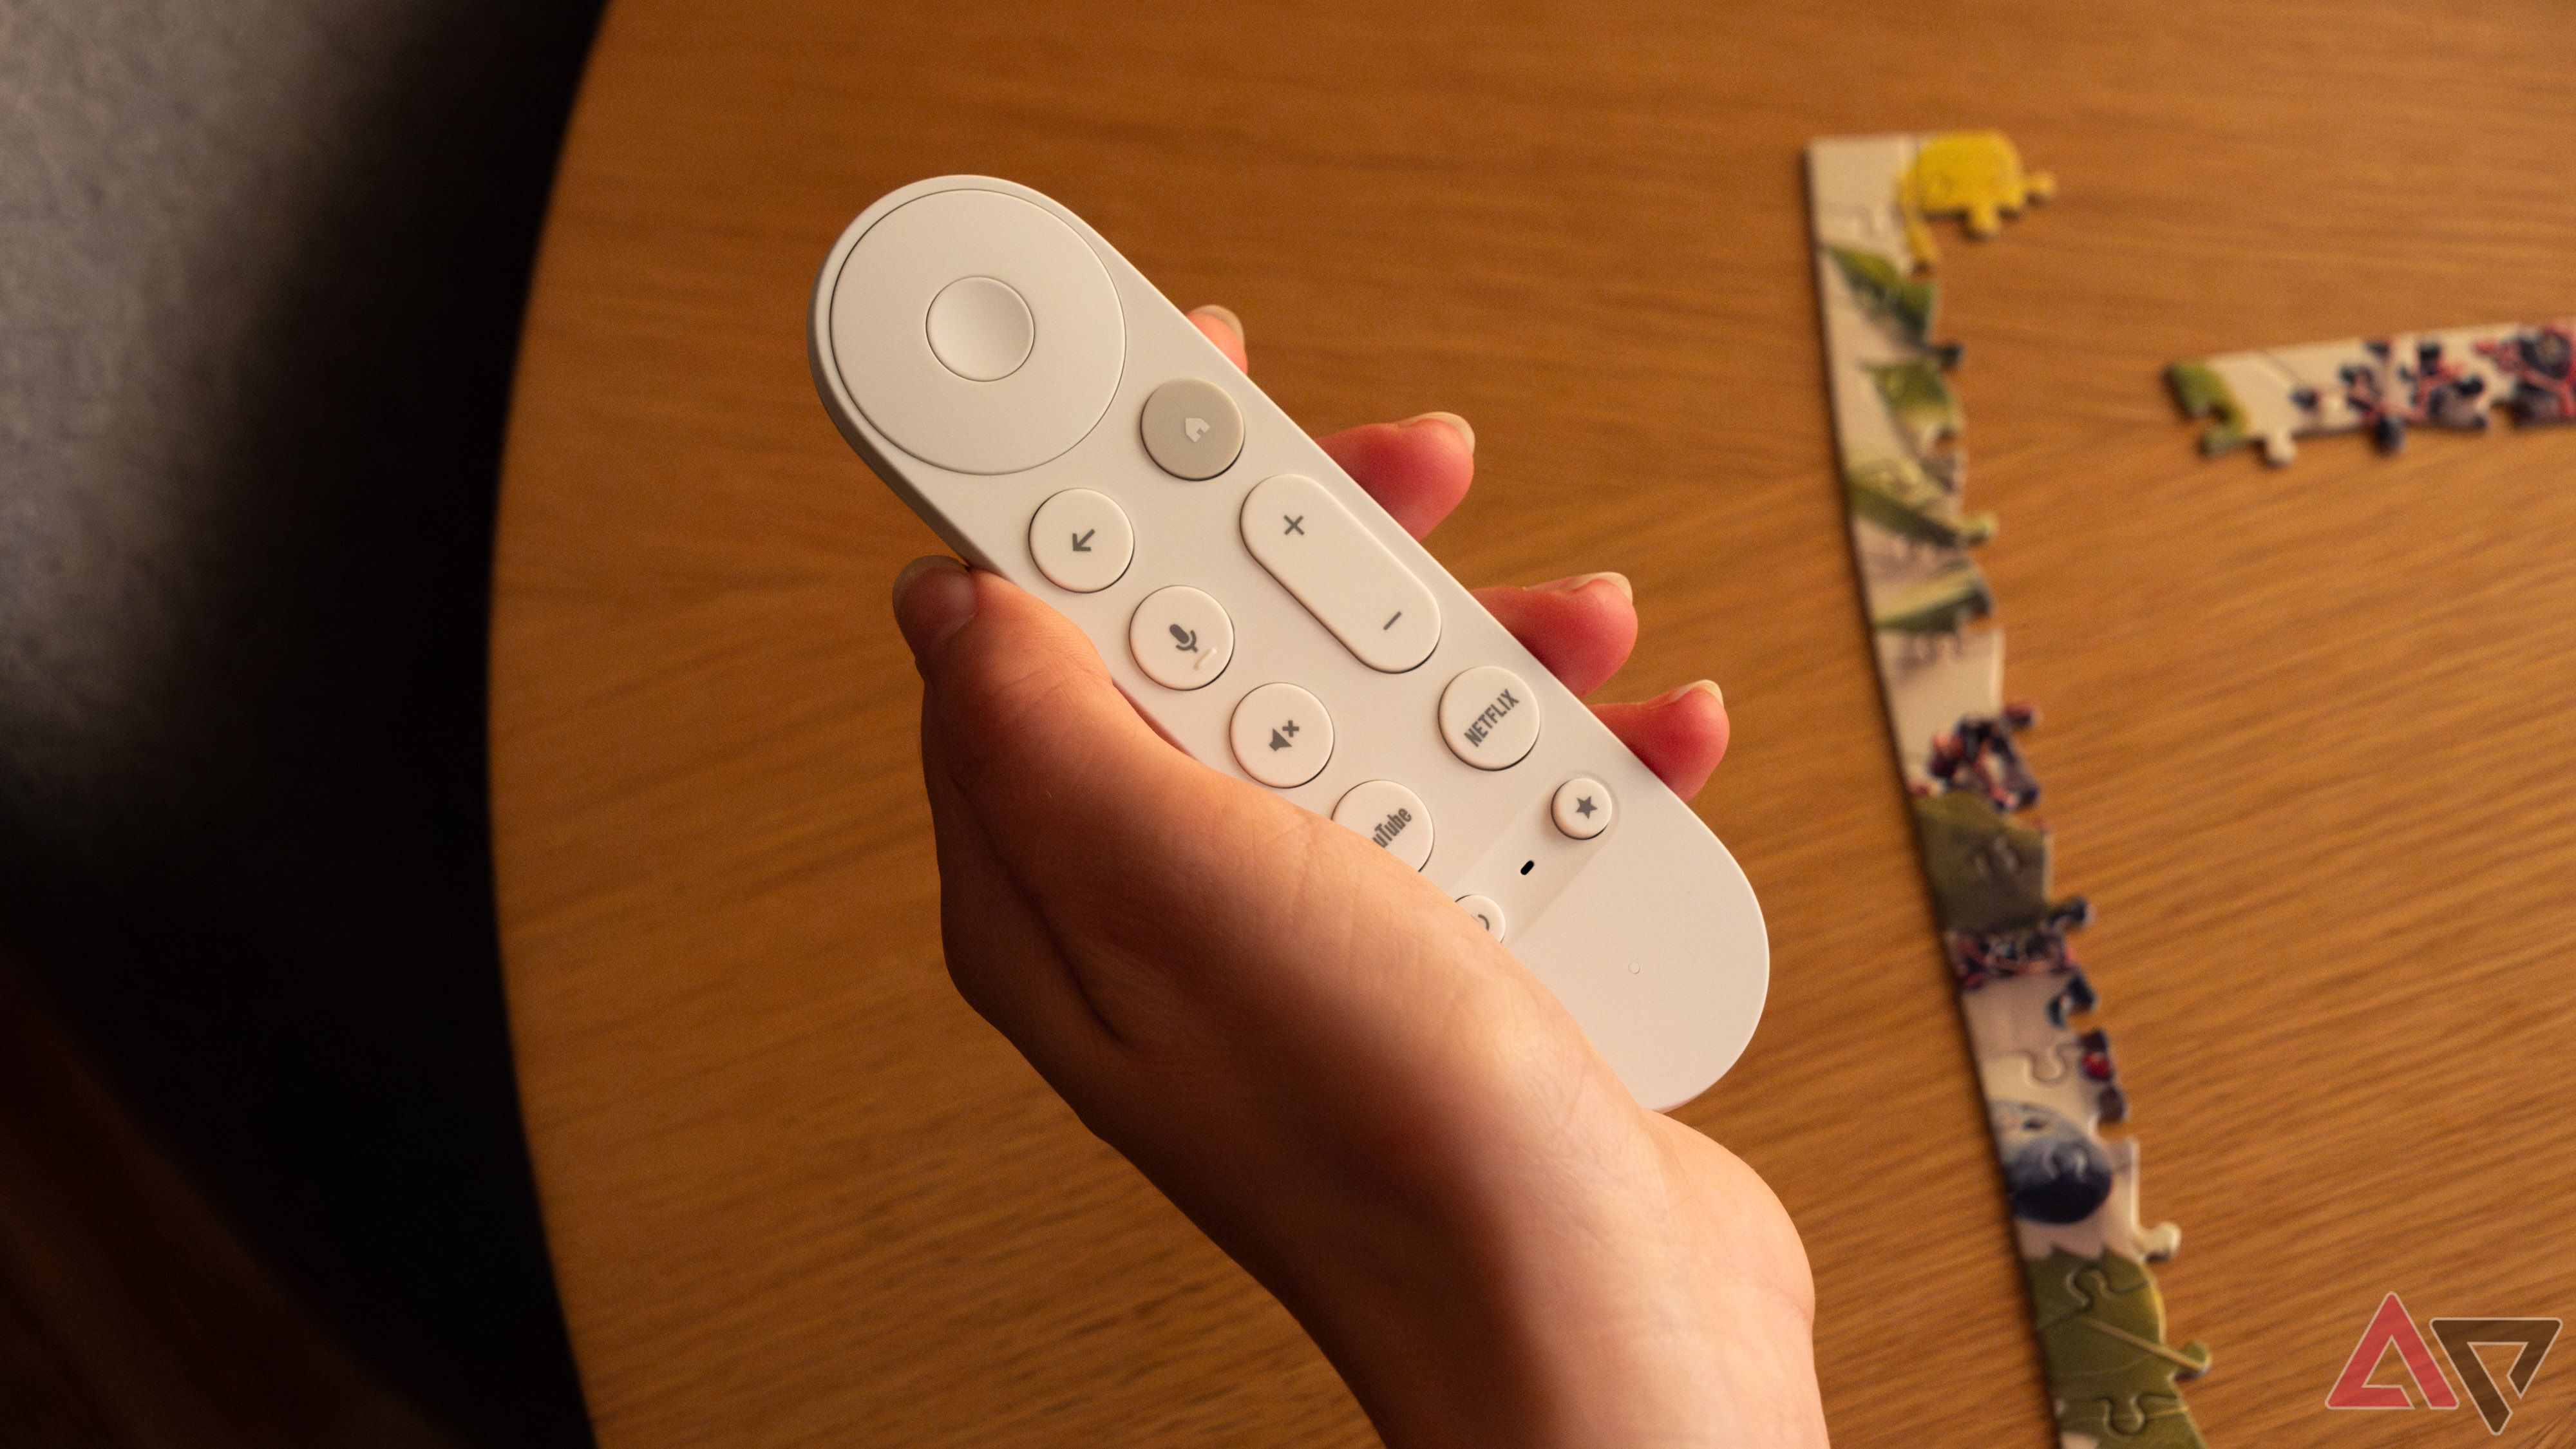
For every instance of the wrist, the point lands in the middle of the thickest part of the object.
(1628, 1294)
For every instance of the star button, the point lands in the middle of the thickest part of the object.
(1583, 808)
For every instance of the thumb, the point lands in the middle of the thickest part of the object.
(1065, 776)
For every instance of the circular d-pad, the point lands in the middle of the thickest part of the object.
(934, 279)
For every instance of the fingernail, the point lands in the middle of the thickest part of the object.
(933, 598)
(1569, 585)
(1674, 696)
(1453, 420)
(1222, 314)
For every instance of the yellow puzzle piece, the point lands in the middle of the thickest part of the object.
(1974, 175)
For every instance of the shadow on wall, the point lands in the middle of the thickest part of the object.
(263, 269)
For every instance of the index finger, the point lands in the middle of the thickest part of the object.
(1417, 474)
(1225, 330)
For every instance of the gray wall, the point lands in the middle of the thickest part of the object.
(261, 267)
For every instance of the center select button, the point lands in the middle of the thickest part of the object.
(980, 329)
(1192, 429)
(1488, 718)
(1350, 582)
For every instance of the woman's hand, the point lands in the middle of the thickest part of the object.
(1361, 1097)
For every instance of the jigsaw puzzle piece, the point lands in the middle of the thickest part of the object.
(2421, 380)
(2274, 397)
(1929, 693)
(1926, 412)
(1937, 607)
(1852, 184)
(1976, 176)
(2089, 1057)
(2161, 1422)
(1912, 507)
(1908, 537)
(2101, 1325)
(2030, 1017)
(2116, 1226)
(1900, 582)
(2071, 1189)
(1977, 957)
(1989, 870)
(2246, 400)
(1893, 296)
(1896, 421)
(1978, 754)
(2057, 1172)
(2537, 369)
(2461, 376)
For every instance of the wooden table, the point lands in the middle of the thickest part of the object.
(2307, 735)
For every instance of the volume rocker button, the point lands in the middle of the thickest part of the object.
(1347, 579)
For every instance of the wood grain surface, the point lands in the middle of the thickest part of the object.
(2307, 732)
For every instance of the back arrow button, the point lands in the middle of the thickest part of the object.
(1081, 541)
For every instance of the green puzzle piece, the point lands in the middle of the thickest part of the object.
(2101, 1326)
(2161, 1422)
(2204, 394)
(1919, 399)
(1989, 871)
(1902, 302)
(1897, 495)
(1941, 604)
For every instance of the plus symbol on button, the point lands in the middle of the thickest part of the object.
(1295, 525)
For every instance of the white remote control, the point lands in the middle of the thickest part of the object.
(1034, 399)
